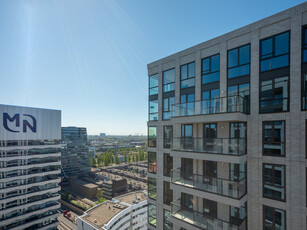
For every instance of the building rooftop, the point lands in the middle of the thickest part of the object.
(85, 183)
(103, 213)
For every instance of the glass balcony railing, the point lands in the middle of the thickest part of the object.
(230, 104)
(228, 146)
(201, 220)
(233, 189)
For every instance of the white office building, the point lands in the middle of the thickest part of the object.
(30, 150)
(128, 211)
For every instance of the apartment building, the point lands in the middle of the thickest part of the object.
(30, 152)
(75, 155)
(227, 130)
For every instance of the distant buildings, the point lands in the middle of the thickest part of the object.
(102, 134)
(30, 152)
(75, 156)
(128, 211)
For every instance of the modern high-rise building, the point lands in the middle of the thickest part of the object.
(227, 130)
(30, 152)
(75, 155)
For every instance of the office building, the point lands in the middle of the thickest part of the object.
(227, 130)
(128, 211)
(75, 155)
(114, 187)
(30, 152)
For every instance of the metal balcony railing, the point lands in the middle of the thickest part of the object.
(234, 189)
(228, 146)
(202, 220)
(230, 104)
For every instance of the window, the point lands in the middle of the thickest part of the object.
(186, 130)
(209, 170)
(211, 69)
(167, 136)
(152, 188)
(273, 218)
(152, 214)
(153, 110)
(210, 135)
(169, 80)
(237, 171)
(274, 138)
(210, 208)
(274, 95)
(187, 104)
(167, 193)
(187, 168)
(187, 202)
(238, 215)
(152, 162)
(274, 52)
(274, 181)
(168, 164)
(305, 90)
(153, 84)
(167, 107)
(187, 75)
(211, 101)
(239, 62)
(152, 136)
(238, 98)
(168, 225)
(237, 130)
(304, 48)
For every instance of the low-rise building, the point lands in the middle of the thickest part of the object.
(128, 211)
(114, 187)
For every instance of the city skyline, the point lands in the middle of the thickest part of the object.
(88, 58)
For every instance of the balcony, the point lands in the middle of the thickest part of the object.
(230, 104)
(203, 221)
(233, 189)
(228, 146)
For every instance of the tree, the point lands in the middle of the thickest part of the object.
(116, 159)
(99, 196)
(129, 159)
(93, 162)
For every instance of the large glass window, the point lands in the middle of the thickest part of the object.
(187, 168)
(153, 84)
(152, 136)
(304, 48)
(187, 75)
(305, 90)
(168, 225)
(238, 98)
(167, 136)
(211, 101)
(274, 138)
(187, 130)
(168, 164)
(167, 193)
(187, 201)
(274, 52)
(274, 95)
(274, 219)
(237, 172)
(274, 181)
(237, 215)
(152, 188)
(211, 69)
(237, 130)
(152, 162)
(153, 110)
(169, 80)
(152, 214)
(167, 107)
(210, 208)
(239, 61)
(187, 104)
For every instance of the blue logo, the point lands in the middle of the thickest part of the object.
(16, 119)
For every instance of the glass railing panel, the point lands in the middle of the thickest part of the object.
(228, 104)
(234, 189)
(229, 146)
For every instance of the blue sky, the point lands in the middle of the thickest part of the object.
(89, 58)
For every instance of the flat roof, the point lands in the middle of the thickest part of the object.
(85, 183)
(103, 213)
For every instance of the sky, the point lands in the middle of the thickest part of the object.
(88, 58)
